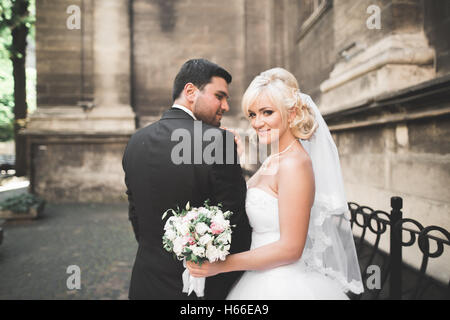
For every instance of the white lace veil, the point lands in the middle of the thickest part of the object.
(330, 248)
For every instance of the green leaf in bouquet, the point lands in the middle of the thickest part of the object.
(168, 247)
(227, 214)
(196, 236)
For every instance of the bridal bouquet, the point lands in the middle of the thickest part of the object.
(198, 235)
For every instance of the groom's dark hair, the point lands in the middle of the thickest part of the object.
(198, 72)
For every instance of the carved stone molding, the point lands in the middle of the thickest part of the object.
(395, 62)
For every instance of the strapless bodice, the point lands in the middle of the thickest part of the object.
(262, 212)
(290, 281)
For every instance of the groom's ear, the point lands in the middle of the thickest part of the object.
(190, 92)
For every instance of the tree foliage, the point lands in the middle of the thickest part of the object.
(9, 20)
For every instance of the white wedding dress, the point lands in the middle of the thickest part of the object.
(289, 282)
(329, 264)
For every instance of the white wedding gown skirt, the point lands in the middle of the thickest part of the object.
(288, 282)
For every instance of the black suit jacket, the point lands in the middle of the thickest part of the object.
(155, 183)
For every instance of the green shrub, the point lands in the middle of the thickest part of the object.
(21, 203)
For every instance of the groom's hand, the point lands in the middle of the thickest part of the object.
(207, 269)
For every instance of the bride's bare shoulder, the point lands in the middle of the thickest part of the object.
(296, 173)
(297, 161)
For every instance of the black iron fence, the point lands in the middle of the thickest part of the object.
(397, 280)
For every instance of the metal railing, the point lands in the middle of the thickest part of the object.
(392, 266)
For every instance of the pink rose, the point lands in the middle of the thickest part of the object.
(189, 240)
(216, 229)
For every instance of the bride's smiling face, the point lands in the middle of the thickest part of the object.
(267, 120)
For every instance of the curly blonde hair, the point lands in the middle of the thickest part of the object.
(281, 87)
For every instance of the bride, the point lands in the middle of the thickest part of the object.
(302, 244)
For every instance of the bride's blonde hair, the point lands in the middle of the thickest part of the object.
(281, 88)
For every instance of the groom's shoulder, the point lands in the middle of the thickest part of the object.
(198, 126)
(194, 127)
(212, 131)
(209, 127)
(143, 130)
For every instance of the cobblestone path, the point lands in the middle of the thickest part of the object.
(35, 254)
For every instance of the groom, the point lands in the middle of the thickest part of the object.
(156, 181)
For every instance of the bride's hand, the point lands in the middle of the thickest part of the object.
(237, 139)
(207, 269)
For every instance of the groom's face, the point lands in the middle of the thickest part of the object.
(211, 102)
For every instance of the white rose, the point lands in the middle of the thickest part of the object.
(205, 239)
(168, 224)
(182, 228)
(223, 253)
(204, 211)
(198, 251)
(220, 221)
(224, 238)
(191, 215)
(201, 228)
(171, 234)
(212, 253)
(178, 245)
(218, 215)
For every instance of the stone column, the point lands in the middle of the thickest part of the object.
(107, 57)
(111, 49)
(75, 147)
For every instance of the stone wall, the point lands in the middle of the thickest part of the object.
(315, 54)
(59, 55)
(84, 116)
(343, 24)
(436, 26)
(379, 92)
(245, 37)
(78, 169)
(410, 160)
(124, 58)
(168, 33)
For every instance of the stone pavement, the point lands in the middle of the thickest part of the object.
(35, 254)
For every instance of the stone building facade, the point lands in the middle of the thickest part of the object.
(378, 69)
(106, 68)
(385, 93)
